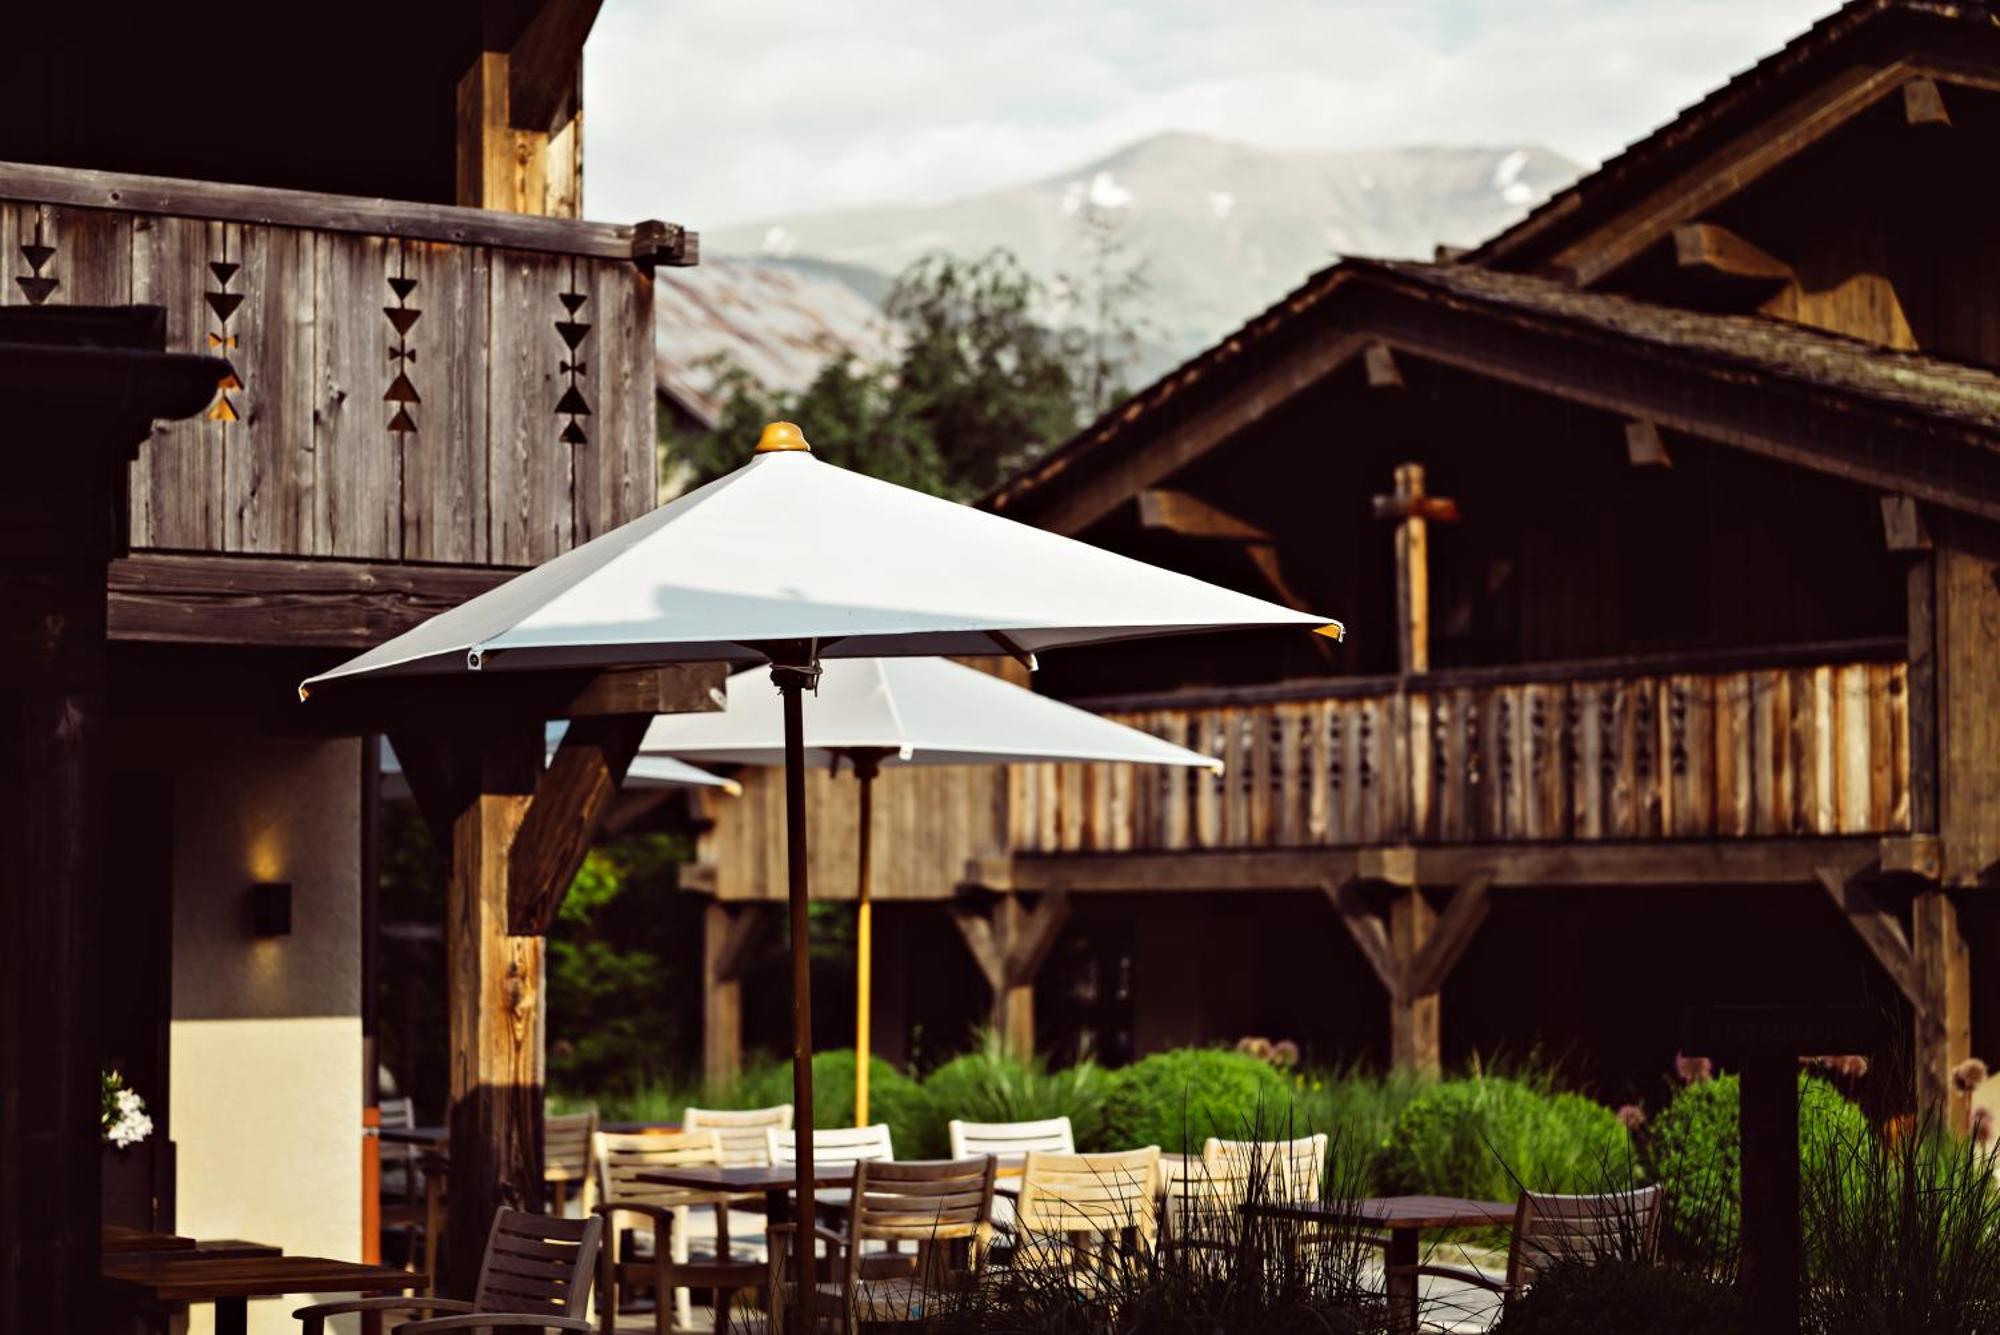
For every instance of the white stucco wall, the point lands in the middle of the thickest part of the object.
(266, 1057)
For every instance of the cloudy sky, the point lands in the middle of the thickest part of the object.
(715, 111)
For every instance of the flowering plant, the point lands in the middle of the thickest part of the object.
(124, 1118)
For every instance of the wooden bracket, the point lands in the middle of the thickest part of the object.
(1379, 364)
(1918, 855)
(1643, 446)
(656, 243)
(1903, 527)
(544, 64)
(747, 926)
(1715, 250)
(1010, 945)
(1878, 927)
(1424, 973)
(1189, 516)
(1923, 103)
(572, 797)
(1389, 864)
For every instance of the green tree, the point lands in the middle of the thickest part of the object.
(1103, 301)
(979, 385)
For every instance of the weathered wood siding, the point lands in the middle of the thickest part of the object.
(397, 399)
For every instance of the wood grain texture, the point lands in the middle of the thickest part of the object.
(528, 465)
(443, 462)
(182, 471)
(360, 497)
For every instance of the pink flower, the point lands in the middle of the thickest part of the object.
(1284, 1054)
(1968, 1075)
(1693, 1070)
(1633, 1116)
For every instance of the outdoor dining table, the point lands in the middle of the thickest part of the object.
(229, 1282)
(1404, 1219)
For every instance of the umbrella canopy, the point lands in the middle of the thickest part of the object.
(909, 711)
(789, 548)
(646, 772)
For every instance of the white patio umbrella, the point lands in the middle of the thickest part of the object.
(876, 712)
(788, 561)
(645, 772)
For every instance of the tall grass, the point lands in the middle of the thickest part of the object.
(987, 1085)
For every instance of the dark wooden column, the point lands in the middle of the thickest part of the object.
(732, 934)
(79, 390)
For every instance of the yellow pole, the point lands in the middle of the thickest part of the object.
(864, 942)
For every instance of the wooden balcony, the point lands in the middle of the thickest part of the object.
(414, 383)
(1812, 743)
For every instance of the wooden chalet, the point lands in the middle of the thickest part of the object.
(1664, 524)
(439, 375)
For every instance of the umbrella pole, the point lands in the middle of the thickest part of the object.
(864, 936)
(805, 1277)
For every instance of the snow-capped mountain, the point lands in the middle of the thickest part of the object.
(1224, 228)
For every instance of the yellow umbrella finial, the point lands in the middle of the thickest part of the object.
(780, 436)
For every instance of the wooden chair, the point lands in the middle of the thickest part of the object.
(536, 1273)
(674, 1267)
(833, 1145)
(944, 1209)
(567, 1144)
(1548, 1229)
(741, 1131)
(1053, 1135)
(1288, 1171)
(1078, 1210)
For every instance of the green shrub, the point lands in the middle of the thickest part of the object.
(986, 1085)
(1357, 1109)
(1491, 1136)
(892, 1096)
(1178, 1099)
(1628, 1297)
(1693, 1149)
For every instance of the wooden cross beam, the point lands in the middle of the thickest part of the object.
(1009, 946)
(1412, 950)
(1413, 511)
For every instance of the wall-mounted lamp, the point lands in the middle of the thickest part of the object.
(271, 908)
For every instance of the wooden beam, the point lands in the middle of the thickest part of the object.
(1035, 937)
(1189, 516)
(545, 64)
(1379, 365)
(1450, 937)
(748, 926)
(572, 797)
(282, 602)
(1915, 855)
(395, 704)
(975, 928)
(452, 224)
(1942, 965)
(1387, 864)
(1877, 926)
(1414, 1039)
(1967, 736)
(1923, 104)
(1903, 528)
(1364, 926)
(1715, 250)
(1643, 446)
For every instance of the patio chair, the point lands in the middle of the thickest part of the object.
(1549, 1228)
(944, 1209)
(832, 1145)
(1078, 1211)
(1052, 1134)
(673, 1265)
(536, 1273)
(567, 1141)
(1287, 1171)
(741, 1130)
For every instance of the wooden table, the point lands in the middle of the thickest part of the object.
(1403, 1218)
(230, 1282)
(117, 1240)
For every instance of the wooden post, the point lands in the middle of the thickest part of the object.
(1944, 1016)
(722, 1000)
(520, 146)
(494, 997)
(1768, 1128)
(1413, 1015)
(1412, 511)
(1009, 946)
(77, 396)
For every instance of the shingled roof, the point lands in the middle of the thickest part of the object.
(1735, 107)
(1947, 398)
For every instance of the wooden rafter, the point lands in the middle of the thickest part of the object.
(1378, 364)
(1923, 103)
(544, 64)
(1189, 516)
(1716, 250)
(1876, 923)
(1643, 446)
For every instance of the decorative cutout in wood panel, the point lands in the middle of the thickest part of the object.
(402, 318)
(572, 404)
(35, 286)
(222, 304)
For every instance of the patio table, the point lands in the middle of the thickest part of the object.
(117, 1239)
(1403, 1218)
(229, 1282)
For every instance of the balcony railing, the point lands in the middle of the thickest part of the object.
(413, 382)
(1678, 750)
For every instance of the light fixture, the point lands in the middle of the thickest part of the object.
(271, 908)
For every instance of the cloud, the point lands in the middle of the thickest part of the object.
(714, 111)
